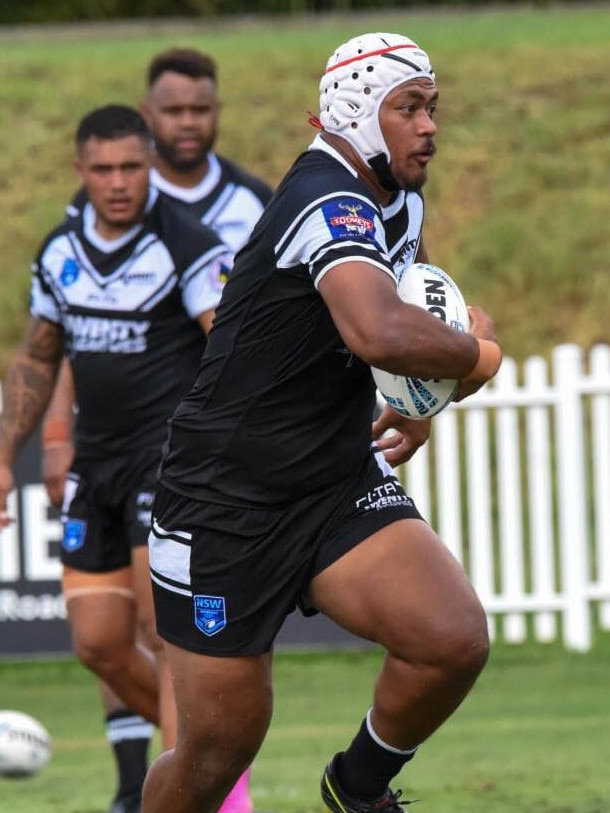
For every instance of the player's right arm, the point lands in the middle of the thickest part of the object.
(382, 330)
(25, 394)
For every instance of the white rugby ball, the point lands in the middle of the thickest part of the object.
(433, 289)
(25, 745)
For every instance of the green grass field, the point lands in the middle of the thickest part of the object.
(517, 197)
(532, 736)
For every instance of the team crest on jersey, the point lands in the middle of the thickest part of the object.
(210, 614)
(349, 218)
(69, 272)
(74, 535)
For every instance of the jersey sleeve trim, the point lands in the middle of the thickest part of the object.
(356, 258)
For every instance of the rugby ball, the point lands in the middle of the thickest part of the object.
(433, 289)
(25, 745)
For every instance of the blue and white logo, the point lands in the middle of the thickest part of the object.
(210, 614)
(74, 535)
(349, 218)
(69, 272)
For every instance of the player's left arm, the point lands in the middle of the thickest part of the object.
(408, 436)
(57, 446)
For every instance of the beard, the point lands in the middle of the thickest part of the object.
(184, 162)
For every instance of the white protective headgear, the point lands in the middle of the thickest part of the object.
(358, 77)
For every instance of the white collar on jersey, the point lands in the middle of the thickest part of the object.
(319, 144)
(192, 193)
(108, 246)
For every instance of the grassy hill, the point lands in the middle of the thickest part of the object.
(518, 192)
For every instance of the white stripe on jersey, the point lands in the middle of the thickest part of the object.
(357, 257)
(308, 239)
(201, 291)
(300, 222)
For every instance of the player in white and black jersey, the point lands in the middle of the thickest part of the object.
(271, 495)
(182, 110)
(128, 290)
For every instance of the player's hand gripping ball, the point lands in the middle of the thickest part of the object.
(433, 289)
(25, 745)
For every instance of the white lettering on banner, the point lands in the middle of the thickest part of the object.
(38, 531)
(9, 544)
(15, 607)
(36, 563)
(95, 335)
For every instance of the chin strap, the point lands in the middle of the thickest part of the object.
(381, 168)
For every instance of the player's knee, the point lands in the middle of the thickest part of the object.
(454, 646)
(101, 657)
(465, 647)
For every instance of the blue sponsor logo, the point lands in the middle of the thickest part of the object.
(74, 535)
(210, 614)
(69, 272)
(349, 218)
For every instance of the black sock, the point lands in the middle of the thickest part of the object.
(364, 771)
(130, 735)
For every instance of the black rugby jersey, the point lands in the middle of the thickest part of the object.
(280, 406)
(228, 200)
(128, 309)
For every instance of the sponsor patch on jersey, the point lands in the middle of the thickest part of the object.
(69, 272)
(210, 614)
(74, 535)
(146, 278)
(220, 273)
(349, 218)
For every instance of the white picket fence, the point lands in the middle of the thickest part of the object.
(516, 480)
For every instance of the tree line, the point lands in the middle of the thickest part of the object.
(41, 11)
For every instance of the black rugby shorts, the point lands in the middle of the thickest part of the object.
(225, 577)
(107, 510)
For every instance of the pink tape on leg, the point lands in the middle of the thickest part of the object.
(238, 800)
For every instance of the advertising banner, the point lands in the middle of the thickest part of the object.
(32, 611)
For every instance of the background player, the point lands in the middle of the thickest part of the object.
(182, 110)
(127, 288)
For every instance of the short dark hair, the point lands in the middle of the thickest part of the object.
(186, 61)
(111, 122)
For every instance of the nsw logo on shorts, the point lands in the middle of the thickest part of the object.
(210, 614)
(74, 535)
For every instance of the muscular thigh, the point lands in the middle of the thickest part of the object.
(400, 587)
(232, 698)
(225, 576)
